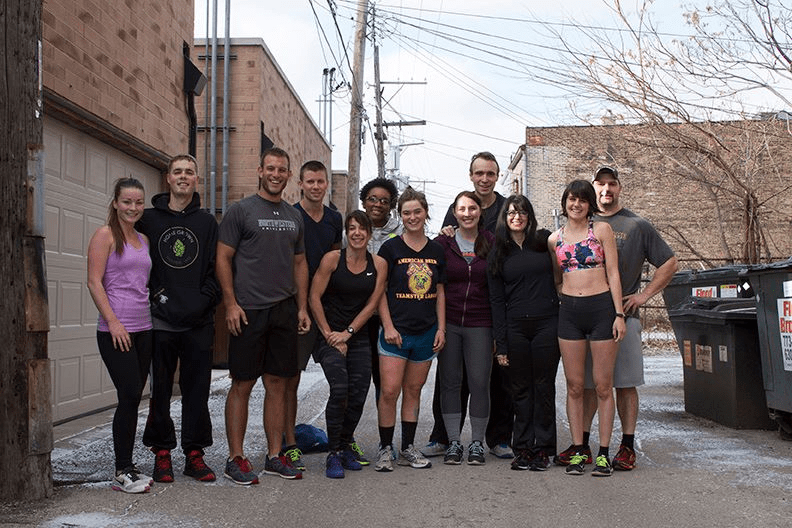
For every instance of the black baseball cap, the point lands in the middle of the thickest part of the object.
(605, 169)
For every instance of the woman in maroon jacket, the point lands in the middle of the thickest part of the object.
(469, 329)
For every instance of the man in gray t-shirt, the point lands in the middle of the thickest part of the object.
(263, 273)
(637, 241)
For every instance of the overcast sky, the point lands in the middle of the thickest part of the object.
(476, 96)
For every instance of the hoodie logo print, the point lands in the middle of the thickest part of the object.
(178, 247)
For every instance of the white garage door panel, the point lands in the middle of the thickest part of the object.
(79, 176)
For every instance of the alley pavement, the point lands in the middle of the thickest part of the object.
(690, 472)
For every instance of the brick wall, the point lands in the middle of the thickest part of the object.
(122, 62)
(259, 94)
(664, 189)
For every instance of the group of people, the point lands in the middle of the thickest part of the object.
(496, 299)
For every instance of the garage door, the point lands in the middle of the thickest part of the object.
(79, 176)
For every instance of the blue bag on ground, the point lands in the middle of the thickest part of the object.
(310, 439)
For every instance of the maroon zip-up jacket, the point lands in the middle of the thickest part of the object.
(466, 292)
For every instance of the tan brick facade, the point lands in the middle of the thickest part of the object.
(122, 62)
(261, 98)
(663, 189)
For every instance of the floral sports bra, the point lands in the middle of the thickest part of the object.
(586, 254)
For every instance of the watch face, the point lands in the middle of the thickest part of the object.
(351, 330)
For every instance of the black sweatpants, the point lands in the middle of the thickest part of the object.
(191, 350)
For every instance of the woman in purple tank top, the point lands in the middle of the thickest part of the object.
(118, 272)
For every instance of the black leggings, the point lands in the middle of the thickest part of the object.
(129, 371)
(533, 364)
(348, 377)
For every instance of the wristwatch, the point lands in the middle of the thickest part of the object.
(619, 314)
(350, 330)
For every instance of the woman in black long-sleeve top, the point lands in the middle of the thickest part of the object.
(525, 322)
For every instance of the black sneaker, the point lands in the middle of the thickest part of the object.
(522, 461)
(294, 455)
(575, 466)
(476, 454)
(602, 467)
(453, 455)
(539, 462)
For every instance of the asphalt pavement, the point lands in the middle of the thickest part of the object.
(691, 472)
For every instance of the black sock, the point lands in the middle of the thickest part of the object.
(386, 436)
(408, 433)
(578, 448)
(628, 440)
(603, 451)
(586, 436)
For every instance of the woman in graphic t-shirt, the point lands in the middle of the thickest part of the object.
(413, 327)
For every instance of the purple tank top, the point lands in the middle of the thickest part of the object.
(126, 283)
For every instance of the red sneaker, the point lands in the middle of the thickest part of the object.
(195, 467)
(624, 459)
(163, 469)
(562, 458)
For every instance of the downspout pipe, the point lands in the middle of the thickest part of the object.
(226, 94)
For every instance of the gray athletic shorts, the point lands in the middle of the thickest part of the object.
(629, 362)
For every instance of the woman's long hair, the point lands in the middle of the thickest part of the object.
(112, 214)
(481, 247)
(503, 235)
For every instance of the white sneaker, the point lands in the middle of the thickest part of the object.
(384, 459)
(129, 481)
(413, 458)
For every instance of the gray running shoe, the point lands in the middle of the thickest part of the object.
(384, 459)
(502, 451)
(433, 449)
(453, 455)
(413, 458)
(476, 454)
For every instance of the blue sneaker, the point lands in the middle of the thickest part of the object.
(349, 460)
(335, 469)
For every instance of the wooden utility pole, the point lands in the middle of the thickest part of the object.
(26, 413)
(380, 136)
(356, 112)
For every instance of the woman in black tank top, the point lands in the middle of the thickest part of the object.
(344, 294)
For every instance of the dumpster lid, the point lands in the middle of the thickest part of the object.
(773, 266)
(716, 307)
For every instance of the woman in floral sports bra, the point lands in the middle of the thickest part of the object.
(590, 313)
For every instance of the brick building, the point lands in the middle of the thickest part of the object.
(698, 209)
(114, 106)
(263, 111)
